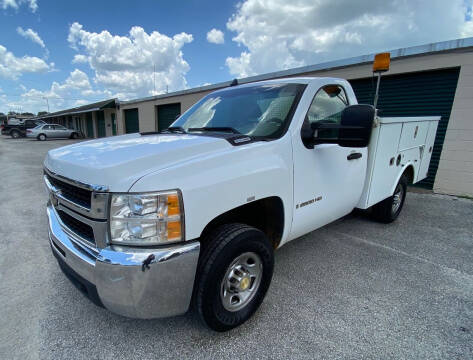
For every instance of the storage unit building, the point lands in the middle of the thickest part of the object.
(92, 120)
(428, 80)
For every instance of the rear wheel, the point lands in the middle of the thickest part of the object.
(234, 273)
(389, 209)
(41, 137)
(15, 134)
(74, 135)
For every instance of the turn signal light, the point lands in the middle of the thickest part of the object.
(174, 230)
(173, 205)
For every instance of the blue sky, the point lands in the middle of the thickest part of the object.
(74, 52)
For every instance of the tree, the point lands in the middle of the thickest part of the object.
(42, 113)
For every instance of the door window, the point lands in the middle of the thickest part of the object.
(327, 107)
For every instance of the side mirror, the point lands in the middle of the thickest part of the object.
(356, 125)
(354, 129)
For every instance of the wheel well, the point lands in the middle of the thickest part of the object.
(409, 172)
(266, 215)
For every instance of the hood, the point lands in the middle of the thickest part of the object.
(119, 161)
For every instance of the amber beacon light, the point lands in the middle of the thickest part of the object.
(381, 62)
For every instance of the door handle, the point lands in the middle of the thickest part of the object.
(354, 156)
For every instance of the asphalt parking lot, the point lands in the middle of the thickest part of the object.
(354, 289)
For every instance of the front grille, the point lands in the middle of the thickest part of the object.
(83, 230)
(73, 193)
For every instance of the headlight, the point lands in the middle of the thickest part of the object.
(146, 219)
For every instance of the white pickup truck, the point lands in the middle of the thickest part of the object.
(149, 223)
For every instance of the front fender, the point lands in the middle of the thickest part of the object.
(216, 183)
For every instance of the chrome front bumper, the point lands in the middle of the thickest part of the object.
(133, 282)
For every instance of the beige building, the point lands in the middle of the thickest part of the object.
(92, 120)
(433, 79)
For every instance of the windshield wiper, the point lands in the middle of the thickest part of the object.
(216, 129)
(174, 129)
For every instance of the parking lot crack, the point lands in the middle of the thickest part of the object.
(447, 269)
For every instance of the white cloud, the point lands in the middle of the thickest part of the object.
(75, 90)
(467, 29)
(79, 58)
(215, 36)
(12, 67)
(81, 102)
(33, 5)
(15, 4)
(124, 64)
(31, 35)
(279, 35)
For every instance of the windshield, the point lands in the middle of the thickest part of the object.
(260, 110)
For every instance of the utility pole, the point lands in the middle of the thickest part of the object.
(47, 102)
(154, 79)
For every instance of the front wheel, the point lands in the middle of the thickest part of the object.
(15, 134)
(74, 135)
(234, 273)
(389, 209)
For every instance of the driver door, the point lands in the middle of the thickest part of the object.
(328, 179)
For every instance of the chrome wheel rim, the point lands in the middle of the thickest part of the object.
(397, 198)
(241, 281)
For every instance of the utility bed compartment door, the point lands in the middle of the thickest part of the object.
(413, 134)
(426, 150)
(385, 170)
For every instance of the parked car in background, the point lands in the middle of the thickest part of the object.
(44, 131)
(17, 130)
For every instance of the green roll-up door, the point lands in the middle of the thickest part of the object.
(131, 121)
(100, 124)
(167, 114)
(90, 125)
(114, 124)
(427, 93)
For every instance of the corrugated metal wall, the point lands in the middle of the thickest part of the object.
(427, 93)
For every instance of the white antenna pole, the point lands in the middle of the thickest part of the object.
(47, 102)
(154, 79)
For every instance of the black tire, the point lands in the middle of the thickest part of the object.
(74, 135)
(386, 211)
(222, 247)
(15, 134)
(41, 137)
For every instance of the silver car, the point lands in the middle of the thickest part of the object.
(42, 132)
